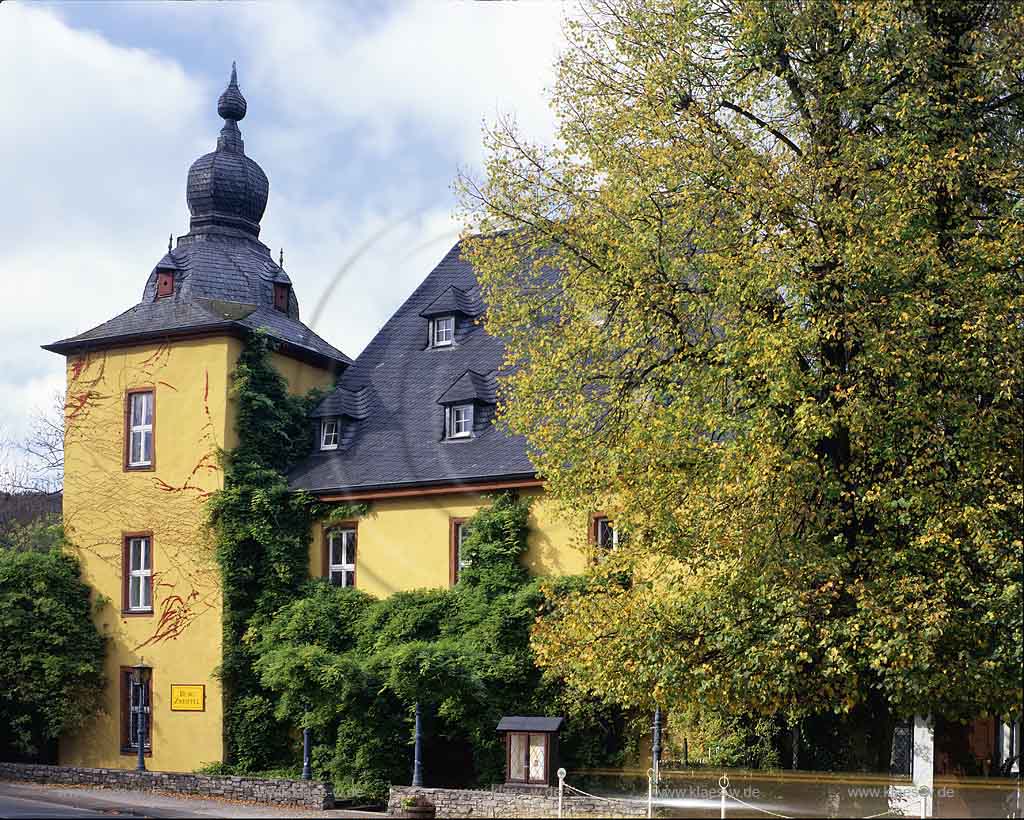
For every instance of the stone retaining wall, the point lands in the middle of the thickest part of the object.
(306, 793)
(479, 803)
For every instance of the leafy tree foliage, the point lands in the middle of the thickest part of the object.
(51, 654)
(717, 739)
(783, 349)
(351, 667)
(262, 531)
(43, 532)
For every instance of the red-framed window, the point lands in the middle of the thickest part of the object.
(135, 699)
(457, 561)
(140, 429)
(340, 555)
(137, 574)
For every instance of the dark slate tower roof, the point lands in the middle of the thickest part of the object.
(224, 277)
(391, 401)
(225, 187)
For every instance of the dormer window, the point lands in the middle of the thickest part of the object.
(459, 421)
(281, 297)
(329, 434)
(164, 283)
(442, 331)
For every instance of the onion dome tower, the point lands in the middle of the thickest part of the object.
(219, 275)
(226, 189)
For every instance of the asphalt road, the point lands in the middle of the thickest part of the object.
(31, 800)
(33, 805)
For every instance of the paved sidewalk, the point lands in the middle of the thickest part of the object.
(31, 800)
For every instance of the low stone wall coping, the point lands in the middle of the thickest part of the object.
(306, 793)
(496, 803)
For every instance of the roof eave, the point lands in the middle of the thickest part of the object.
(73, 345)
(70, 346)
(396, 489)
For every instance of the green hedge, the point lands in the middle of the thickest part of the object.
(51, 654)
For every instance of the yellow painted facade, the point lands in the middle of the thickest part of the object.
(181, 640)
(405, 543)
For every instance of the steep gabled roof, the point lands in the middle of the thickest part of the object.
(400, 442)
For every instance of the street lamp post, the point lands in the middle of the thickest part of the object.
(417, 749)
(140, 677)
(307, 769)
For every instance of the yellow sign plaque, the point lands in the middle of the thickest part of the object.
(188, 698)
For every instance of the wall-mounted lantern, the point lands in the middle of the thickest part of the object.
(531, 749)
(140, 706)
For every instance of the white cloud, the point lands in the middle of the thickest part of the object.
(360, 120)
(437, 70)
(425, 73)
(87, 127)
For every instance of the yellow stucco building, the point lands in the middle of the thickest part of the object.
(406, 429)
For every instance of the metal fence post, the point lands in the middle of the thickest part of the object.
(561, 789)
(723, 784)
(656, 747)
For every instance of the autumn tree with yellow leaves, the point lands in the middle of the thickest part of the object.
(763, 305)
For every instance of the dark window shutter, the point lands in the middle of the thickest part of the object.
(281, 297)
(164, 283)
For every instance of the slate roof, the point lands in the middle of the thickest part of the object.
(345, 402)
(400, 382)
(224, 276)
(471, 386)
(176, 316)
(455, 300)
(225, 187)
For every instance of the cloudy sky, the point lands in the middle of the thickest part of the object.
(360, 113)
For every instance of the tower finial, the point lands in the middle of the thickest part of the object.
(231, 105)
(170, 242)
(280, 259)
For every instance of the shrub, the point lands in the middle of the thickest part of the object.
(51, 654)
(351, 668)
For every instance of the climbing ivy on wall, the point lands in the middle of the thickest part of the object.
(350, 668)
(262, 532)
(303, 654)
